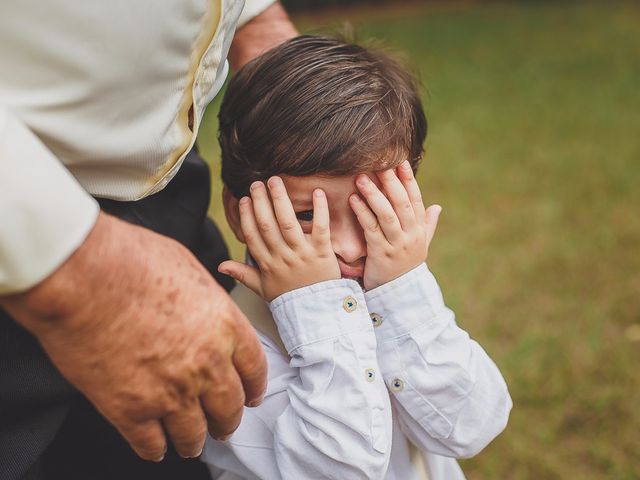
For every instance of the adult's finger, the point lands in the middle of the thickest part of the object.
(251, 365)
(266, 219)
(398, 196)
(381, 207)
(223, 403)
(285, 214)
(147, 439)
(405, 174)
(187, 429)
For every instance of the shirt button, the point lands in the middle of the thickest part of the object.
(370, 374)
(349, 304)
(397, 384)
(376, 319)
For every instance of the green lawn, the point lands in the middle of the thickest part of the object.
(534, 152)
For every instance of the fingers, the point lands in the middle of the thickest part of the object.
(432, 215)
(187, 429)
(405, 174)
(368, 221)
(252, 235)
(147, 439)
(397, 195)
(285, 214)
(265, 217)
(320, 231)
(223, 403)
(245, 274)
(380, 206)
(251, 365)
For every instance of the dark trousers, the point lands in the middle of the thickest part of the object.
(48, 430)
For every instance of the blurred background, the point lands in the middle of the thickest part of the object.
(534, 153)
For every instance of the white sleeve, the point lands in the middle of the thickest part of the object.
(327, 412)
(253, 8)
(450, 396)
(45, 215)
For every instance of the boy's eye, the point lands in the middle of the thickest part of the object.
(306, 216)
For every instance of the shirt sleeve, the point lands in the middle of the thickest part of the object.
(45, 214)
(326, 413)
(450, 397)
(253, 8)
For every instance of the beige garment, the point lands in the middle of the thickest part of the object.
(258, 313)
(99, 91)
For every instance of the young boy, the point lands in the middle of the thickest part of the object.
(369, 375)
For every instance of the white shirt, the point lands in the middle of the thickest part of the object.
(365, 374)
(94, 97)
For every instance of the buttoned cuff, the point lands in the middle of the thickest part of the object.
(253, 8)
(404, 304)
(319, 312)
(45, 215)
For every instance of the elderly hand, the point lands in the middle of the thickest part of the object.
(143, 330)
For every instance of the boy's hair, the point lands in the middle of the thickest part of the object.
(318, 106)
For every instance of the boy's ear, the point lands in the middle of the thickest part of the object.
(232, 213)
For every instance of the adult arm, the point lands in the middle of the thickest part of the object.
(263, 25)
(128, 316)
(450, 396)
(44, 214)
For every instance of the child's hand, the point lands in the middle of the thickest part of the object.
(288, 259)
(397, 228)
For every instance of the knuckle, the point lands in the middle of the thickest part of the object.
(288, 225)
(389, 218)
(264, 226)
(289, 258)
(266, 266)
(226, 392)
(389, 252)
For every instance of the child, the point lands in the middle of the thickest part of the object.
(369, 375)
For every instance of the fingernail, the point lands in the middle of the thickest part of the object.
(244, 200)
(255, 403)
(406, 165)
(223, 438)
(355, 198)
(255, 185)
(197, 454)
(318, 193)
(274, 182)
(159, 459)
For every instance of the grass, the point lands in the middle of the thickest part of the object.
(534, 152)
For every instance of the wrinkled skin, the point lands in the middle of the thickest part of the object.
(143, 330)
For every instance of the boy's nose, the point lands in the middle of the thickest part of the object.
(348, 241)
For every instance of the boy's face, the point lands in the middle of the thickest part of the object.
(347, 236)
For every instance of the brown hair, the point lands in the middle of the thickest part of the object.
(318, 106)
